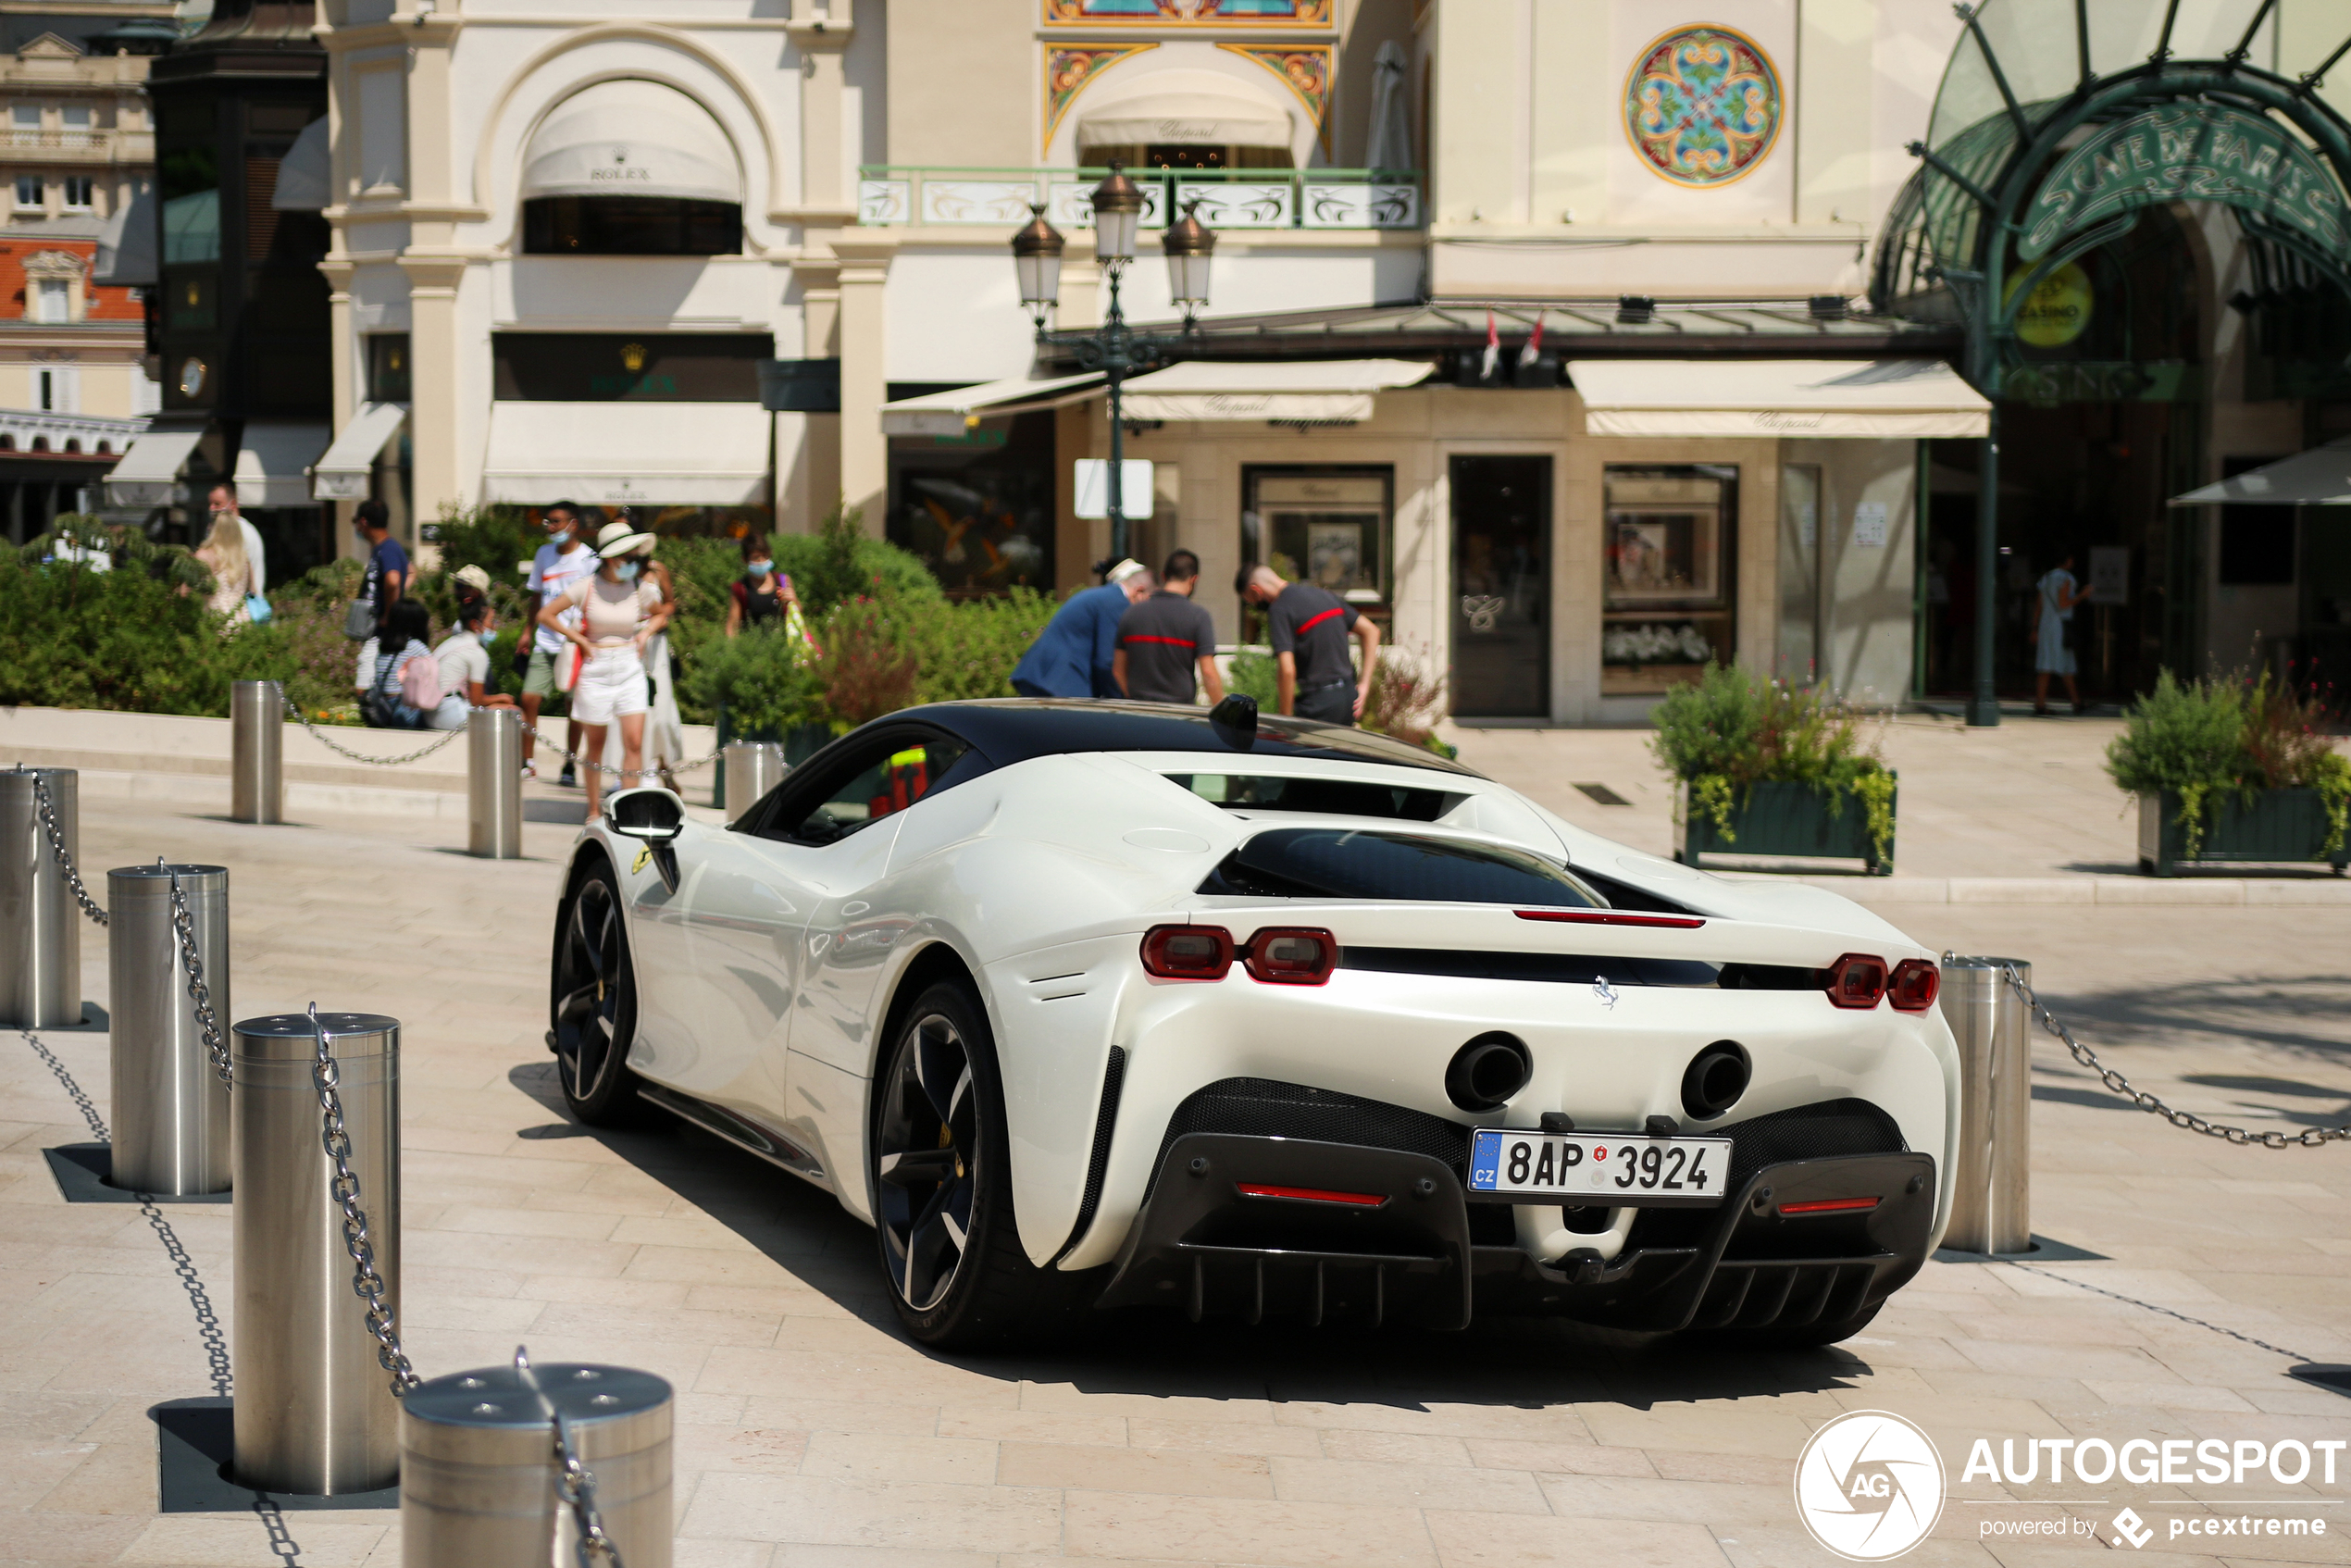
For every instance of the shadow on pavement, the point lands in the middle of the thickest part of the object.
(1527, 1364)
(2283, 1012)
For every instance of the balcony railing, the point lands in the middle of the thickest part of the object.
(25, 139)
(1229, 198)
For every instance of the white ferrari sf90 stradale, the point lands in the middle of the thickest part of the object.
(1113, 1004)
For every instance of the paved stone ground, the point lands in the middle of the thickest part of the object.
(812, 1435)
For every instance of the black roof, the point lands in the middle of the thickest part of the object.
(1013, 729)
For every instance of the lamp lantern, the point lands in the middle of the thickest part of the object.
(1036, 257)
(1118, 212)
(1189, 244)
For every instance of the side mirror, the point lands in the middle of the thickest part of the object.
(653, 816)
(1234, 721)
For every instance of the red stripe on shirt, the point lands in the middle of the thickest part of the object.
(1308, 624)
(1171, 641)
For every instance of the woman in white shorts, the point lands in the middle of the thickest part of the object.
(619, 614)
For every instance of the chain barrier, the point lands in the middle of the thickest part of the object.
(2310, 1138)
(575, 760)
(320, 736)
(575, 1484)
(326, 1075)
(183, 927)
(48, 814)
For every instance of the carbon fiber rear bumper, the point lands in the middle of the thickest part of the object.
(1390, 1238)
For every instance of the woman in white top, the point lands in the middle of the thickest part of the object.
(463, 657)
(2058, 592)
(223, 553)
(619, 614)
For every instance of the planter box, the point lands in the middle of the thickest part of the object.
(2280, 826)
(1784, 819)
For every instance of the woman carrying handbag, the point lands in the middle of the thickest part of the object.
(620, 613)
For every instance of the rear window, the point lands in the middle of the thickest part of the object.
(1329, 862)
(1328, 797)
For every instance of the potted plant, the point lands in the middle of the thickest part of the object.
(2232, 772)
(1772, 769)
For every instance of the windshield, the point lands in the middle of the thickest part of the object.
(1302, 863)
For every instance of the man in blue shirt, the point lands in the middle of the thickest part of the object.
(387, 562)
(1072, 657)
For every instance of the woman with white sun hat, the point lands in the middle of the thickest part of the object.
(620, 612)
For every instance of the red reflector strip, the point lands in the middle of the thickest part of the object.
(1829, 1206)
(1611, 918)
(1310, 622)
(1318, 1195)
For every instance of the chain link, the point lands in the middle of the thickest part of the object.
(577, 760)
(183, 927)
(48, 814)
(323, 739)
(2310, 1138)
(575, 1484)
(326, 1074)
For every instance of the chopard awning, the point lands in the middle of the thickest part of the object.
(2320, 477)
(1881, 398)
(628, 454)
(951, 413)
(1308, 390)
(343, 474)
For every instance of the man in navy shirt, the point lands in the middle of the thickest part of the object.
(387, 562)
(1309, 628)
(1075, 655)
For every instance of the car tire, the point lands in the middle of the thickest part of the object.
(592, 1002)
(1801, 1335)
(942, 1188)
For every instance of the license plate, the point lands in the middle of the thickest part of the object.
(1613, 1170)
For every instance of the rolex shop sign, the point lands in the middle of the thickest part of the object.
(2186, 152)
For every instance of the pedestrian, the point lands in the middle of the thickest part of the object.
(463, 655)
(665, 726)
(562, 561)
(385, 705)
(224, 500)
(223, 554)
(619, 614)
(1075, 655)
(2058, 592)
(387, 580)
(1310, 626)
(761, 593)
(1167, 644)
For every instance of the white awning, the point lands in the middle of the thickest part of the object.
(1308, 390)
(1211, 119)
(629, 453)
(631, 137)
(273, 467)
(952, 413)
(1881, 398)
(306, 175)
(2320, 477)
(149, 472)
(343, 474)
(127, 244)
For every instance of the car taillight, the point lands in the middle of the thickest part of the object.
(1914, 986)
(1856, 980)
(1188, 952)
(1283, 956)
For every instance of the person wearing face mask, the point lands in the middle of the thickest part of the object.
(618, 614)
(761, 594)
(463, 655)
(562, 561)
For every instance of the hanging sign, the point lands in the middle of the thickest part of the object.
(2188, 152)
(2057, 309)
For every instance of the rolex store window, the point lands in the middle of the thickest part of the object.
(630, 225)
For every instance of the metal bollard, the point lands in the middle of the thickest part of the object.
(170, 1110)
(257, 752)
(1991, 1203)
(314, 1411)
(40, 927)
(753, 767)
(478, 1465)
(494, 783)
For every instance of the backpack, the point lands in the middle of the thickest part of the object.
(420, 682)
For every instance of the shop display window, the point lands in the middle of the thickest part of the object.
(1667, 560)
(1327, 526)
(979, 508)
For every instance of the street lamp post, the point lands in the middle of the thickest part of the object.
(1114, 348)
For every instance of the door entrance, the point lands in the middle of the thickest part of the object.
(1501, 587)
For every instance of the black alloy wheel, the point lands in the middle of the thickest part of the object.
(942, 1185)
(594, 1003)
(927, 1160)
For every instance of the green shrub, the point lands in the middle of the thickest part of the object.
(1256, 675)
(837, 563)
(2207, 737)
(497, 538)
(754, 678)
(1731, 730)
